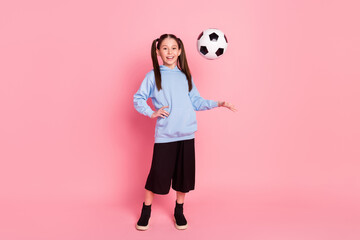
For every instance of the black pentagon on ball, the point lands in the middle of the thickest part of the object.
(200, 35)
(213, 37)
(219, 52)
(225, 38)
(203, 50)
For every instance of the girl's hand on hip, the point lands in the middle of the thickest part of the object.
(227, 105)
(160, 113)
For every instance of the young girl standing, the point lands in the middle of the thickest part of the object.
(175, 98)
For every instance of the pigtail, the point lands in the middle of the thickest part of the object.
(156, 65)
(182, 63)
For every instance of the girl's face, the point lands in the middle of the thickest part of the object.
(169, 52)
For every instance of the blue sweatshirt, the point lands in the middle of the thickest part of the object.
(181, 123)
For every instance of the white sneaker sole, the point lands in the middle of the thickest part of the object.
(182, 227)
(143, 228)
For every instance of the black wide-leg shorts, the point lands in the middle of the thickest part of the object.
(172, 161)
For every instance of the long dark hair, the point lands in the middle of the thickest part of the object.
(181, 61)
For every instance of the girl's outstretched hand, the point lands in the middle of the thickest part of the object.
(227, 105)
(160, 113)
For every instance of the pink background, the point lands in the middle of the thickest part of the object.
(75, 154)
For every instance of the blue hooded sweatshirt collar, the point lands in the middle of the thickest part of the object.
(165, 68)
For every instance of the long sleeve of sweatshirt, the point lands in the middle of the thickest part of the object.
(141, 96)
(198, 102)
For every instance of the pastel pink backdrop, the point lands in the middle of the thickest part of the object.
(285, 166)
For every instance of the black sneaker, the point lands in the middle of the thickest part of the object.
(143, 223)
(180, 220)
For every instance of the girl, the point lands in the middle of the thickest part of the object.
(175, 98)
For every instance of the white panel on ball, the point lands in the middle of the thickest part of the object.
(212, 43)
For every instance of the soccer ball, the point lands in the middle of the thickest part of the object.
(212, 43)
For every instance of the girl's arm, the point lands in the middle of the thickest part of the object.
(198, 102)
(142, 95)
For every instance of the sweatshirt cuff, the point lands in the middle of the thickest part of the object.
(149, 112)
(214, 104)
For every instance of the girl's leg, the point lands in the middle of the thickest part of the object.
(149, 196)
(143, 223)
(180, 197)
(180, 220)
